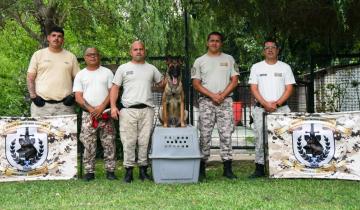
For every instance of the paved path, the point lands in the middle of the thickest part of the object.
(237, 155)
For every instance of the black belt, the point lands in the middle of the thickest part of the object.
(261, 106)
(138, 106)
(85, 110)
(53, 101)
(202, 96)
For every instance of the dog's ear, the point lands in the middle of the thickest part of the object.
(169, 60)
(179, 61)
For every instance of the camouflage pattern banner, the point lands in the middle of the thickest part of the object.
(323, 146)
(38, 148)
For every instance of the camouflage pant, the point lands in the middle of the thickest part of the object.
(209, 114)
(88, 137)
(258, 131)
(51, 110)
(135, 129)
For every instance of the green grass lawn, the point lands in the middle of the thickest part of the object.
(214, 193)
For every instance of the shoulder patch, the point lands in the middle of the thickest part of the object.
(236, 68)
(193, 71)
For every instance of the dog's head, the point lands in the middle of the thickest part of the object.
(174, 70)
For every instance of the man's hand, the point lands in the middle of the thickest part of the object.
(97, 111)
(217, 98)
(69, 100)
(38, 101)
(270, 106)
(115, 113)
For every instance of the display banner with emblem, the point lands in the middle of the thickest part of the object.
(38, 148)
(319, 145)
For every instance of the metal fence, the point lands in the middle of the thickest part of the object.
(243, 136)
(337, 89)
(333, 87)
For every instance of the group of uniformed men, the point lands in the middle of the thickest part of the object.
(55, 83)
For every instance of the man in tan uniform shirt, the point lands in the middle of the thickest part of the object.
(50, 77)
(135, 79)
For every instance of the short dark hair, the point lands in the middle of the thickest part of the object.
(217, 34)
(270, 39)
(56, 29)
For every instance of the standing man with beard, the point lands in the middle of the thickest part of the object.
(136, 118)
(92, 86)
(50, 78)
(271, 83)
(215, 76)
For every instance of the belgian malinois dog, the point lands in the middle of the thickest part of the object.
(173, 112)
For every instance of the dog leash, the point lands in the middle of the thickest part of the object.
(153, 129)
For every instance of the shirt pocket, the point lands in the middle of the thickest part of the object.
(279, 77)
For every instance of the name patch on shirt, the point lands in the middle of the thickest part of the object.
(129, 72)
(224, 64)
(278, 74)
(263, 75)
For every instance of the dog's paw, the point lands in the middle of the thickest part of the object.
(165, 125)
(182, 125)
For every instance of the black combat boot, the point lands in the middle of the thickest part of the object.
(259, 171)
(128, 175)
(143, 173)
(228, 170)
(89, 176)
(110, 175)
(202, 172)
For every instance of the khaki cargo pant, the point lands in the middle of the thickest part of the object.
(135, 128)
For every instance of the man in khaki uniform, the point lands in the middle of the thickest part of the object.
(215, 75)
(136, 118)
(50, 78)
(91, 87)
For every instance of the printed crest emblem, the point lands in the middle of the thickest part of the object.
(26, 149)
(313, 144)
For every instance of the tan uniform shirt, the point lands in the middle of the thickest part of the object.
(137, 80)
(214, 72)
(54, 73)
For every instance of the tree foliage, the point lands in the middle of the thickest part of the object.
(303, 28)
